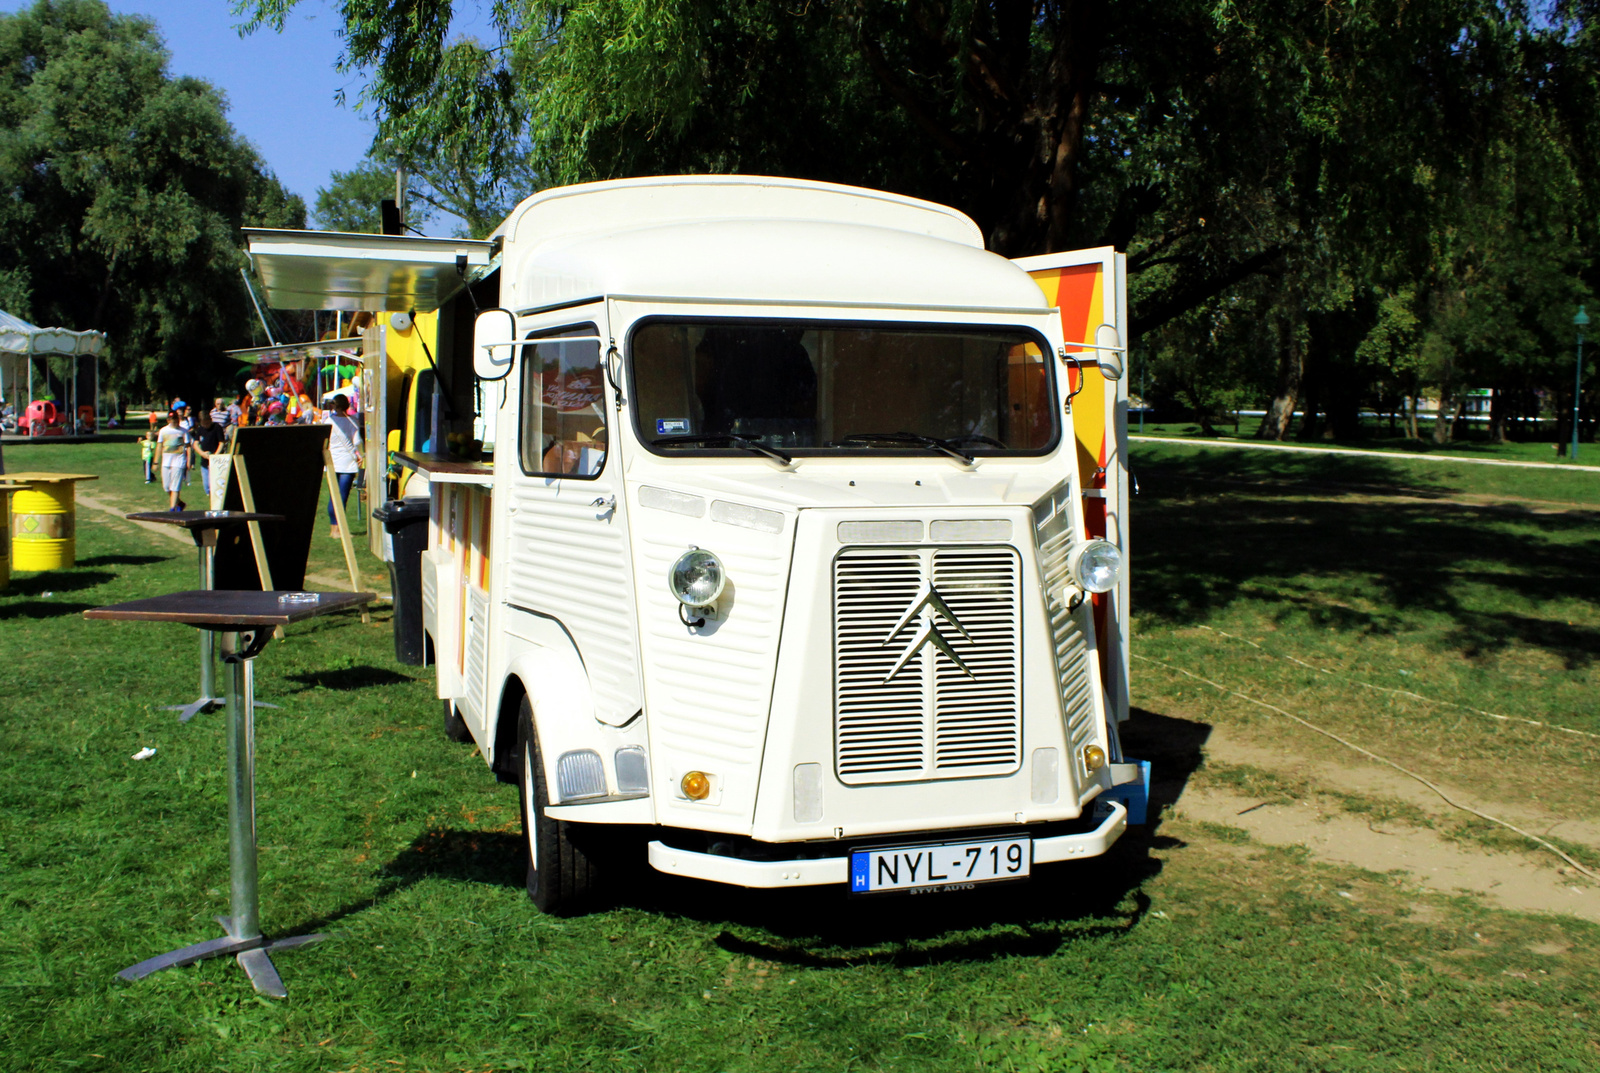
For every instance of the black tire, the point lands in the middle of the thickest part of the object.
(561, 876)
(455, 727)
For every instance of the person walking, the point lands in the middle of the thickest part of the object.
(174, 459)
(207, 442)
(345, 446)
(147, 452)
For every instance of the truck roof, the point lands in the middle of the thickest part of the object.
(624, 204)
(753, 239)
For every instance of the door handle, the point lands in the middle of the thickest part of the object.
(604, 504)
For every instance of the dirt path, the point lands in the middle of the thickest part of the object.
(1390, 455)
(173, 532)
(1532, 881)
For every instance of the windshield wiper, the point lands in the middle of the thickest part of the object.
(932, 443)
(732, 439)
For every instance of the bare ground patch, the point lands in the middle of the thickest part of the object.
(1295, 811)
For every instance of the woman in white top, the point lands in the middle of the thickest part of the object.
(345, 447)
(174, 444)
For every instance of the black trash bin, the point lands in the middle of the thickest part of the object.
(406, 523)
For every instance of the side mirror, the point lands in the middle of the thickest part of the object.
(1108, 352)
(494, 334)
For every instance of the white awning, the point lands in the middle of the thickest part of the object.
(343, 349)
(17, 336)
(351, 272)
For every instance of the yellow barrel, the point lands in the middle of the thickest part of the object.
(5, 538)
(43, 520)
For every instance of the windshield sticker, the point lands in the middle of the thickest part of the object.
(570, 391)
(669, 426)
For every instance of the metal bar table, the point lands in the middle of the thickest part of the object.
(246, 621)
(204, 526)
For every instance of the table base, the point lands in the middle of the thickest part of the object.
(244, 939)
(205, 704)
(253, 955)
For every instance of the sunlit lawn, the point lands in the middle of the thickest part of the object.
(1188, 948)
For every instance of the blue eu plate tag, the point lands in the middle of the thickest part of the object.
(671, 426)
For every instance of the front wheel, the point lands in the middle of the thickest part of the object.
(561, 877)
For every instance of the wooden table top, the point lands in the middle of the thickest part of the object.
(201, 519)
(444, 464)
(47, 478)
(227, 608)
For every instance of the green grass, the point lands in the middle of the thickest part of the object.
(1187, 948)
(1375, 436)
(1404, 576)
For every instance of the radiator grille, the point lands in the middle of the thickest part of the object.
(906, 709)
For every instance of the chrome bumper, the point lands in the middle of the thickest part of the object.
(824, 870)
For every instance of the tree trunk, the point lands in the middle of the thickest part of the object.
(1497, 415)
(1291, 371)
(1411, 421)
(1310, 407)
(1441, 420)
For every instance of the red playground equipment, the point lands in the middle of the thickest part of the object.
(41, 418)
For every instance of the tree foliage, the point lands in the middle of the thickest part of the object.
(1325, 206)
(351, 201)
(124, 192)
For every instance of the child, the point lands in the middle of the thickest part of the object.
(147, 451)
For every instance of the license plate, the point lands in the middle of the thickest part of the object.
(946, 866)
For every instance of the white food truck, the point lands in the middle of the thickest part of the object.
(802, 549)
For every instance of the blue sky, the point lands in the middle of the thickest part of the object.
(281, 88)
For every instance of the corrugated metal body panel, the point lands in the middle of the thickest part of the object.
(477, 650)
(927, 663)
(1054, 535)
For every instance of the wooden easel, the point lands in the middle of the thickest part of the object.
(344, 527)
(247, 497)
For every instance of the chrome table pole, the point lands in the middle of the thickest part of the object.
(243, 925)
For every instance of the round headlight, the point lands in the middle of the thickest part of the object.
(1096, 566)
(696, 579)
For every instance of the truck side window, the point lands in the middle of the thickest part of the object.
(563, 404)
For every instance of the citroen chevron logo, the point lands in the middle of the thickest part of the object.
(927, 633)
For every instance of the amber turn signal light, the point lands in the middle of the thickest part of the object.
(1094, 757)
(696, 786)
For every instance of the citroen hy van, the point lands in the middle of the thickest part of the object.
(801, 556)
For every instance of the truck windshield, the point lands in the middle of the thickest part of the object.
(808, 388)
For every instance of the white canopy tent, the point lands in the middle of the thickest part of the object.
(21, 342)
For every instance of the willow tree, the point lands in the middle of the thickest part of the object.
(1320, 150)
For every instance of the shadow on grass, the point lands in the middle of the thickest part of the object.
(125, 560)
(348, 678)
(41, 609)
(823, 927)
(70, 580)
(1343, 543)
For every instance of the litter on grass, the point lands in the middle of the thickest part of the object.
(144, 754)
